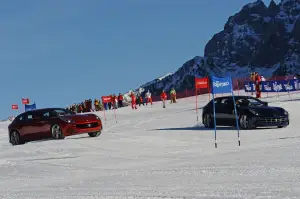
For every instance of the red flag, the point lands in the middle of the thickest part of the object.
(201, 82)
(15, 107)
(106, 99)
(25, 100)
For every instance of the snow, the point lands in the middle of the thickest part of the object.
(163, 77)
(251, 5)
(157, 153)
(267, 19)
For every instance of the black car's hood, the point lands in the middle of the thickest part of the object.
(268, 111)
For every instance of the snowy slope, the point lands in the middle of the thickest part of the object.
(157, 153)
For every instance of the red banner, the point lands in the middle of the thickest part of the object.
(201, 82)
(106, 99)
(25, 100)
(14, 107)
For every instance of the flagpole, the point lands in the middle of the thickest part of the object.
(236, 118)
(215, 122)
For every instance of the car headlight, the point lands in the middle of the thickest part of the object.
(67, 120)
(253, 112)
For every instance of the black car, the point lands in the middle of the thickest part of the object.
(251, 113)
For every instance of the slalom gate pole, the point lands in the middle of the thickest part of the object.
(236, 119)
(215, 122)
(208, 86)
(196, 104)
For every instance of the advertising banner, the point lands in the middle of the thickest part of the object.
(289, 85)
(201, 82)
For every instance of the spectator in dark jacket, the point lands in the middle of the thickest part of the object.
(120, 100)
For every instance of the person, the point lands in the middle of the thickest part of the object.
(120, 100)
(163, 97)
(105, 106)
(252, 78)
(173, 95)
(133, 100)
(141, 100)
(96, 104)
(149, 98)
(257, 85)
(114, 102)
(110, 103)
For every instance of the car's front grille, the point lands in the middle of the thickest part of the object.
(87, 125)
(273, 120)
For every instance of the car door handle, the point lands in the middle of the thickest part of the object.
(41, 122)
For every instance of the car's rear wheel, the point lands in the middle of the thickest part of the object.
(15, 138)
(57, 132)
(94, 134)
(245, 122)
(208, 121)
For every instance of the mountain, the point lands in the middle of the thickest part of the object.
(258, 38)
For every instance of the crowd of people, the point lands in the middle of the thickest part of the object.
(115, 102)
(136, 99)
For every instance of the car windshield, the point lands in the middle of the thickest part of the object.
(62, 112)
(249, 102)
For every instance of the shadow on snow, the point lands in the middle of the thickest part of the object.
(194, 128)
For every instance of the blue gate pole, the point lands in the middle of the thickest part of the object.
(215, 122)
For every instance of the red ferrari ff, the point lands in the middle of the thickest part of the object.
(52, 122)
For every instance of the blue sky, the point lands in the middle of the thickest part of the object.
(58, 52)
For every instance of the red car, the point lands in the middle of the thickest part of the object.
(54, 123)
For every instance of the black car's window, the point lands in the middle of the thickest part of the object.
(217, 101)
(227, 102)
(29, 117)
(46, 114)
(249, 102)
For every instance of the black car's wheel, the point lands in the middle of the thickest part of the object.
(15, 138)
(56, 132)
(245, 122)
(208, 121)
(94, 134)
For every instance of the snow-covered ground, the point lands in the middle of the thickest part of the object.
(157, 153)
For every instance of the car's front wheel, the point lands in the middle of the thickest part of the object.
(94, 134)
(15, 138)
(57, 132)
(208, 121)
(245, 122)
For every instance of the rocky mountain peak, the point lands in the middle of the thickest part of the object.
(273, 8)
(257, 35)
(257, 38)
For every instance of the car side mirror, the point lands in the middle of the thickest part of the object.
(265, 103)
